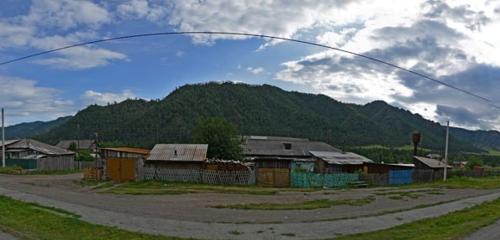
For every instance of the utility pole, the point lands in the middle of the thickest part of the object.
(446, 150)
(3, 139)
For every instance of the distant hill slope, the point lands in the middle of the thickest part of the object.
(257, 110)
(26, 130)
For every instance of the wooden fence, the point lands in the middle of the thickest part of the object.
(198, 176)
(55, 163)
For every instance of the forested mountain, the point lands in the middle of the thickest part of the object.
(26, 130)
(255, 110)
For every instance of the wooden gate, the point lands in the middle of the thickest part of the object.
(273, 177)
(121, 169)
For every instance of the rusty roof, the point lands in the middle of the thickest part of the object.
(141, 151)
(179, 152)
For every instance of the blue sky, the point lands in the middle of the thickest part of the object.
(454, 41)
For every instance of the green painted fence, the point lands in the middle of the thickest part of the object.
(24, 163)
(302, 179)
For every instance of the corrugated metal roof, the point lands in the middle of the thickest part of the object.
(37, 146)
(432, 163)
(341, 158)
(141, 151)
(8, 142)
(179, 152)
(275, 146)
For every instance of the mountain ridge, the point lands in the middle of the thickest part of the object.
(262, 110)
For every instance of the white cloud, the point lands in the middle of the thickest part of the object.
(281, 18)
(50, 24)
(256, 70)
(66, 14)
(25, 101)
(142, 9)
(104, 98)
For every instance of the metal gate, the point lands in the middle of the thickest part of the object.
(121, 169)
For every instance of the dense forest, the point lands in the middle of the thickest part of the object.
(254, 110)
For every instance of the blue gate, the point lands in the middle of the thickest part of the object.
(399, 177)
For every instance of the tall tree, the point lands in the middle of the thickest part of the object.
(221, 136)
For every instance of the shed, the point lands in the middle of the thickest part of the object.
(428, 169)
(123, 163)
(330, 162)
(178, 162)
(33, 154)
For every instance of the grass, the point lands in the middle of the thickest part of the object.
(460, 182)
(32, 221)
(155, 188)
(454, 225)
(20, 171)
(307, 205)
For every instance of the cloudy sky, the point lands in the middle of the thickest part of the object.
(455, 41)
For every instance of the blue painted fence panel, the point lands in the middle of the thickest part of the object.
(399, 177)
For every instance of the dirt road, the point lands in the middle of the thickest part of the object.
(191, 215)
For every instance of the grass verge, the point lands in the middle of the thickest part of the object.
(307, 205)
(154, 187)
(454, 225)
(32, 221)
(20, 171)
(461, 182)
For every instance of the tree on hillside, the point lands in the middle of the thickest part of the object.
(221, 136)
(473, 161)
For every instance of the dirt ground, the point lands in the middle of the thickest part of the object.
(198, 207)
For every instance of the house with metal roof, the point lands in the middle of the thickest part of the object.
(331, 162)
(275, 157)
(33, 154)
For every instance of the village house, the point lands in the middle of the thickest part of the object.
(33, 154)
(123, 163)
(276, 157)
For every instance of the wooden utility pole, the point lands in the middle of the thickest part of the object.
(3, 139)
(446, 150)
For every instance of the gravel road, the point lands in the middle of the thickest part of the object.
(184, 215)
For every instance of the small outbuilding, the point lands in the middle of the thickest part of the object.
(428, 169)
(123, 163)
(177, 162)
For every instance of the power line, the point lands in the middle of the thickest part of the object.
(489, 101)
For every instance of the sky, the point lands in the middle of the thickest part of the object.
(457, 42)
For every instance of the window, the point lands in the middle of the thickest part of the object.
(287, 146)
